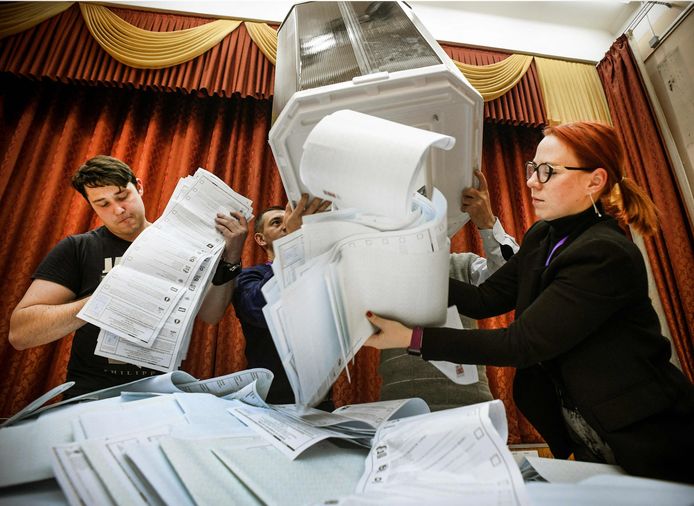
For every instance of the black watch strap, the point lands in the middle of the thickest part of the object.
(226, 272)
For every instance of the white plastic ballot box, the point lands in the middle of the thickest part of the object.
(378, 59)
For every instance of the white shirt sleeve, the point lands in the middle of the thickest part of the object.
(492, 240)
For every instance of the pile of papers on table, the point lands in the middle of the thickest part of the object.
(176, 440)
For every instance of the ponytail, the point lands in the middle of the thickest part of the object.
(636, 207)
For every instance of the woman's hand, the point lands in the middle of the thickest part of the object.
(391, 334)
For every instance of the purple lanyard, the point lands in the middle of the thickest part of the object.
(561, 241)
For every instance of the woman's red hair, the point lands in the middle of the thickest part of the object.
(597, 145)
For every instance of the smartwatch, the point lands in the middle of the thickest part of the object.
(415, 347)
(226, 272)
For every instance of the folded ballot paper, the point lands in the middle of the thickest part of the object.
(382, 248)
(195, 408)
(146, 305)
(447, 457)
(451, 457)
(294, 429)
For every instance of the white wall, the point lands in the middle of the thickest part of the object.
(499, 28)
(574, 30)
(670, 69)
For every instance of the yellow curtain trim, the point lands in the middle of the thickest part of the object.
(496, 79)
(571, 92)
(144, 49)
(16, 17)
(147, 49)
(265, 38)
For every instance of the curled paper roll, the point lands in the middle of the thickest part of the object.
(365, 162)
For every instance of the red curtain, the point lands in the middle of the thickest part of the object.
(62, 49)
(49, 129)
(671, 251)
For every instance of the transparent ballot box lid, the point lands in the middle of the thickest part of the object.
(375, 58)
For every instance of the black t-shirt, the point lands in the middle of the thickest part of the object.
(80, 262)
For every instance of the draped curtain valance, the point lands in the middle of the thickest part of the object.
(146, 49)
(169, 45)
(16, 17)
(522, 104)
(496, 79)
(62, 49)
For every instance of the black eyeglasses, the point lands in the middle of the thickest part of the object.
(545, 170)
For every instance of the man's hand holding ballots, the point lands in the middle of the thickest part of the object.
(147, 304)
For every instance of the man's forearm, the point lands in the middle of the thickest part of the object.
(42, 323)
(216, 301)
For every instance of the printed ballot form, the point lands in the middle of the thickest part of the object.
(176, 401)
(146, 305)
(461, 449)
(294, 429)
(383, 247)
(438, 458)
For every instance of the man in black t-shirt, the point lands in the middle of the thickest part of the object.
(74, 268)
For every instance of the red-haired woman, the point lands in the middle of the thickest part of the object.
(593, 372)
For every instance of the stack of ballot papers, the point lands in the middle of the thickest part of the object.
(382, 248)
(454, 456)
(570, 482)
(146, 305)
(185, 447)
(611, 490)
(172, 442)
(254, 382)
(563, 471)
(160, 403)
(293, 429)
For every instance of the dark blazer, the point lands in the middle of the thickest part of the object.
(584, 325)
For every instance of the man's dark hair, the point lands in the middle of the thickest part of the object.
(258, 227)
(101, 171)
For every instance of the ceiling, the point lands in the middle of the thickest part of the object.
(575, 30)
(607, 15)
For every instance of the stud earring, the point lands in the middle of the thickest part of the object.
(595, 208)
